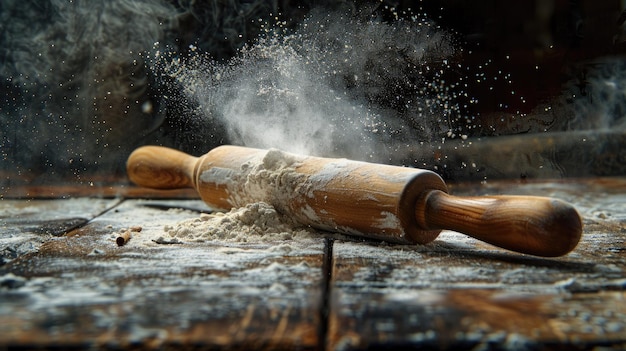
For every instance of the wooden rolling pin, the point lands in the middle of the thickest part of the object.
(395, 204)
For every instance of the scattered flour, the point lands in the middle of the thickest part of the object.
(257, 221)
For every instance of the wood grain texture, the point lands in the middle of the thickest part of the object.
(459, 293)
(83, 291)
(26, 224)
(161, 168)
(540, 226)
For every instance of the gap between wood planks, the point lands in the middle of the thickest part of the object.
(327, 271)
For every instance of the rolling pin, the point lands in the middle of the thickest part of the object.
(391, 203)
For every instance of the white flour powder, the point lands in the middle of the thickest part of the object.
(254, 222)
(270, 178)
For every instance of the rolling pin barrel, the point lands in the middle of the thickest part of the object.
(396, 204)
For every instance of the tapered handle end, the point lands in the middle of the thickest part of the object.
(533, 225)
(160, 167)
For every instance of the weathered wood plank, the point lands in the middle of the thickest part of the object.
(477, 319)
(460, 293)
(26, 224)
(83, 290)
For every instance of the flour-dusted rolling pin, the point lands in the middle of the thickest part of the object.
(395, 204)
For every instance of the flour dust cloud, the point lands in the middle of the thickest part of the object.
(338, 85)
(86, 82)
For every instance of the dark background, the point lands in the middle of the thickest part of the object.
(67, 112)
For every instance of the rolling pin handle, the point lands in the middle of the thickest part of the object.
(160, 167)
(533, 225)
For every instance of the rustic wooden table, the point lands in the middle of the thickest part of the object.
(64, 283)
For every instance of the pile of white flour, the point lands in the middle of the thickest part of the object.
(254, 222)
